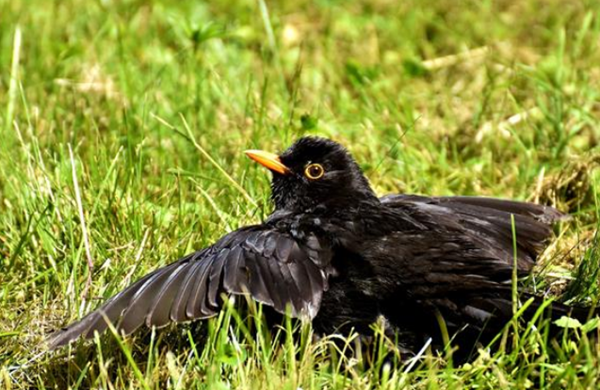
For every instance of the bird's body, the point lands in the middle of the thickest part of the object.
(334, 252)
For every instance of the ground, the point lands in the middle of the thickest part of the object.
(123, 125)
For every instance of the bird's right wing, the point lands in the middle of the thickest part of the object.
(272, 267)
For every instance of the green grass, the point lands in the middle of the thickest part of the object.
(157, 100)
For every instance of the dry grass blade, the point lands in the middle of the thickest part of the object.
(84, 231)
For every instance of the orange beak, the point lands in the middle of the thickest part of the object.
(268, 160)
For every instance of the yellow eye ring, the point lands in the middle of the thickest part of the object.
(314, 171)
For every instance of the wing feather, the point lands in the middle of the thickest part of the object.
(258, 281)
(214, 281)
(294, 297)
(195, 306)
(271, 266)
(178, 311)
(487, 221)
(236, 272)
(160, 308)
(139, 307)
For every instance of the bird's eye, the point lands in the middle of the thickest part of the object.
(314, 171)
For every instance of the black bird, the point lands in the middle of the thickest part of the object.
(334, 252)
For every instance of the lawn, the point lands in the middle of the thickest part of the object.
(123, 126)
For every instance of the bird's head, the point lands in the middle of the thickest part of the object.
(312, 172)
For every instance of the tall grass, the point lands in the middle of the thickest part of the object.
(157, 100)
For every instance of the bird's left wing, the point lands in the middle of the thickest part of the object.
(488, 221)
(272, 267)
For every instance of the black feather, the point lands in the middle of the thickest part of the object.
(178, 310)
(332, 244)
(254, 260)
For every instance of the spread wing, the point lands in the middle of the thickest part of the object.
(488, 221)
(270, 266)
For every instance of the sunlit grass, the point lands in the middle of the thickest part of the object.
(157, 100)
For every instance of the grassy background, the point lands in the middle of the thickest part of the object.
(497, 98)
